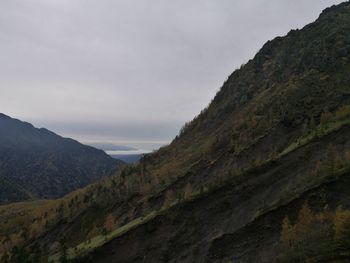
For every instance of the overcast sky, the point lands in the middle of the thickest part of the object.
(132, 71)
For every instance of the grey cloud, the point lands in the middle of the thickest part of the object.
(137, 63)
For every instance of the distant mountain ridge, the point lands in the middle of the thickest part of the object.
(128, 158)
(111, 147)
(124, 153)
(37, 163)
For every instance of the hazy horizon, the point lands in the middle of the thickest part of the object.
(130, 72)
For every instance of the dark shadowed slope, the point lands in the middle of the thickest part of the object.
(37, 163)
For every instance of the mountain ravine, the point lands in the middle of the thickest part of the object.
(260, 175)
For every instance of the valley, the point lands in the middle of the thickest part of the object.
(260, 175)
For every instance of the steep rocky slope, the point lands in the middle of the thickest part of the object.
(36, 163)
(259, 176)
(239, 222)
(248, 130)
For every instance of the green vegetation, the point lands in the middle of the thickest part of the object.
(99, 240)
(329, 122)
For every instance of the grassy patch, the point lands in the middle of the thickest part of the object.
(320, 131)
(332, 124)
(100, 240)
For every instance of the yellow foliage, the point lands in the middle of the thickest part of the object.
(188, 191)
(305, 219)
(333, 164)
(338, 162)
(343, 112)
(109, 224)
(15, 239)
(325, 117)
(287, 231)
(341, 224)
(168, 199)
(36, 228)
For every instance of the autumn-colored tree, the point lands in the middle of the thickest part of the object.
(318, 169)
(304, 222)
(168, 199)
(109, 224)
(36, 228)
(343, 112)
(338, 163)
(341, 225)
(16, 239)
(188, 191)
(287, 231)
(322, 217)
(325, 117)
(305, 216)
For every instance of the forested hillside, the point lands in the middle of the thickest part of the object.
(260, 175)
(37, 163)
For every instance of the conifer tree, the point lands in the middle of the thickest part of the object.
(188, 191)
(342, 227)
(287, 229)
(109, 223)
(305, 220)
(168, 199)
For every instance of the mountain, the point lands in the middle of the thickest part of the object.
(128, 158)
(37, 163)
(111, 147)
(124, 153)
(261, 175)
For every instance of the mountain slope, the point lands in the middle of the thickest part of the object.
(251, 179)
(36, 163)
